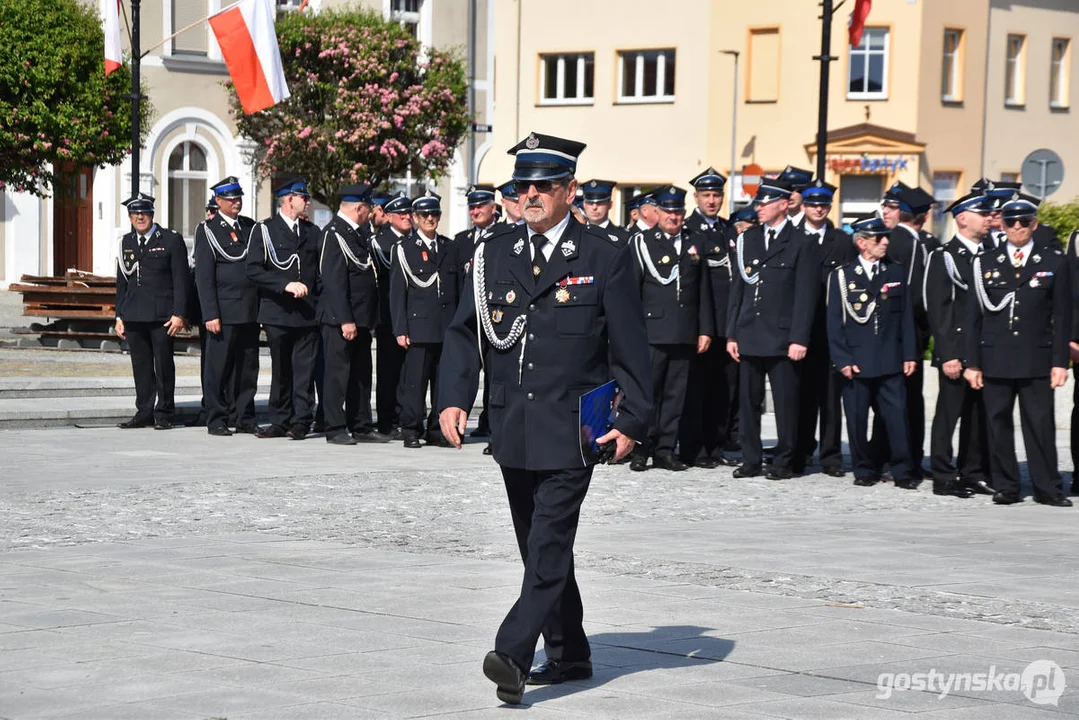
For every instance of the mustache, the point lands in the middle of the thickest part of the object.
(533, 203)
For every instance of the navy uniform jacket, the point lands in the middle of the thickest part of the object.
(152, 284)
(1073, 267)
(467, 240)
(424, 313)
(382, 251)
(679, 312)
(930, 241)
(715, 243)
(767, 317)
(835, 250)
(1029, 339)
(946, 299)
(881, 345)
(617, 235)
(348, 288)
(277, 307)
(225, 292)
(577, 337)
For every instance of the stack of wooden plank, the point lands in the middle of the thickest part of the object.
(77, 295)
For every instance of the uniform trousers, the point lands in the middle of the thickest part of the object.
(915, 423)
(545, 506)
(957, 402)
(1039, 434)
(347, 381)
(670, 374)
(820, 399)
(785, 376)
(292, 359)
(886, 395)
(1075, 425)
(154, 370)
(419, 371)
(230, 375)
(706, 415)
(320, 382)
(389, 357)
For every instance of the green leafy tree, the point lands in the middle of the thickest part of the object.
(1064, 217)
(57, 108)
(366, 100)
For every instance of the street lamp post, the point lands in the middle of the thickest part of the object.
(136, 96)
(734, 125)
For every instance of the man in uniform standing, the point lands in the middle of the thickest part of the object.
(872, 344)
(1020, 322)
(282, 261)
(348, 314)
(677, 301)
(633, 211)
(647, 212)
(558, 315)
(424, 289)
(510, 205)
(798, 179)
(597, 209)
(229, 302)
(389, 356)
(820, 386)
(948, 294)
(152, 282)
(769, 323)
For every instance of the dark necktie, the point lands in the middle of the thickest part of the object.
(142, 243)
(539, 261)
(872, 271)
(296, 230)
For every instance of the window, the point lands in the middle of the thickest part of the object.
(945, 187)
(567, 79)
(407, 12)
(868, 71)
(195, 41)
(1058, 73)
(1009, 177)
(951, 80)
(859, 195)
(1014, 90)
(646, 76)
(762, 75)
(187, 188)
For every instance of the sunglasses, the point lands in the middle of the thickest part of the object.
(1024, 222)
(428, 214)
(542, 186)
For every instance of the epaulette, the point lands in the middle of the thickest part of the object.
(601, 233)
(501, 229)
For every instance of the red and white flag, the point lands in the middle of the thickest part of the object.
(245, 32)
(110, 21)
(856, 22)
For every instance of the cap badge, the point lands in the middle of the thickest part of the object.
(593, 183)
(532, 142)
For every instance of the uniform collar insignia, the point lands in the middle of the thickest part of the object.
(1000, 258)
(568, 248)
(614, 238)
(1035, 258)
(518, 246)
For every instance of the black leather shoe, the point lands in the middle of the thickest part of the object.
(487, 449)
(164, 425)
(725, 459)
(480, 432)
(951, 488)
(708, 463)
(396, 434)
(297, 432)
(1005, 498)
(746, 471)
(271, 431)
(553, 672)
(865, 482)
(219, 431)
(978, 487)
(638, 464)
(369, 436)
(412, 442)
(670, 462)
(341, 438)
(247, 429)
(907, 484)
(134, 423)
(835, 471)
(1053, 502)
(779, 474)
(504, 673)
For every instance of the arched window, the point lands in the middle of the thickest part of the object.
(187, 188)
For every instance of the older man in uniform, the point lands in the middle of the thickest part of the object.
(597, 209)
(1020, 326)
(152, 283)
(510, 204)
(389, 356)
(230, 311)
(948, 294)
(647, 212)
(769, 324)
(677, 299)
(424, 289)
(633, 214)
(283, 263)
(348, 314)
(556, 308)
(872, 345)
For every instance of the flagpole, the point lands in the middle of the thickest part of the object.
(825, 59)
(170, 37)
(136, 98)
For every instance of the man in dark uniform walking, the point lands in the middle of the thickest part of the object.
(230, 310)
(1020, 326)
(282, 261)
(389, 356)
(556, 307)
(424, 289)
(677, 299)
(872, 344)
(347, 314)
(769, 323)
(152, 283)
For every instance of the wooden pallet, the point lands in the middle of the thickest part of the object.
(77, 295)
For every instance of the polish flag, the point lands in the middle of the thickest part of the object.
(245, 32)
(110, 21)
(856, 22)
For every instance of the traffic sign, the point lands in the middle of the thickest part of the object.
(752, 175)
(482, 128)
(1042, 172)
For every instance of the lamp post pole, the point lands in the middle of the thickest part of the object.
(136, 97)
(734, 124)
(825, 58)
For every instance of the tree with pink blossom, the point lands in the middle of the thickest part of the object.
(367, 100)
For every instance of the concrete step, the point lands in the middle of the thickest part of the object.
(69, 387)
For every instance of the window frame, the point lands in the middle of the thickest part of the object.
(1060, 97)
(582, 72)
(958, 69)
(661, 79)
(1019, 96)
(937, 214)
(185, 175)
(882, 94)
(751, 32)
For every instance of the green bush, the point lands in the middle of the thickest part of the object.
(1064, 217)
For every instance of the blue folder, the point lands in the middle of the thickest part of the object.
(598, 409)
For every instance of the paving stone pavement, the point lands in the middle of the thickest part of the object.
(160, 575)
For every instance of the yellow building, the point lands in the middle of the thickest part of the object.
(937, 94)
